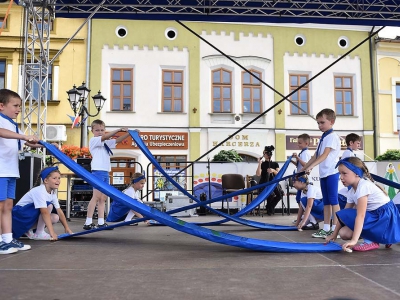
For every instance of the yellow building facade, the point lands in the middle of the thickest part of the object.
(68, 69)
(388, 90)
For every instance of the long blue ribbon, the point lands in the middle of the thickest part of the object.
(205, 233)
(322, 138)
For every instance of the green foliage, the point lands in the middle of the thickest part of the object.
(227, 155)
(391, 154)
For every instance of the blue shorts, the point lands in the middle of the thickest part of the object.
(102, 175)
(8, 186)
(329, 189)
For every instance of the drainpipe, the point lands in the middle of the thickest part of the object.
(374, 110)
(89, 35)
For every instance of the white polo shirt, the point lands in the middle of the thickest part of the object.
(376, 197)
(9, 161)
(39, 197)
(100, 156)
(312, 192)
(327, 166)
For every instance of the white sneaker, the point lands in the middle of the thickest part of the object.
(30, 234)
(42, 236)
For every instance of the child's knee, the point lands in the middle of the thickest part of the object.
(54, 218)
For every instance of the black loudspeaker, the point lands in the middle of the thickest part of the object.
(201, 211)
(29, 170)
(85, 163)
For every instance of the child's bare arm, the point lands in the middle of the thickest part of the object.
(8, 134)
(312, 159)
(63, 221)
(317, 160)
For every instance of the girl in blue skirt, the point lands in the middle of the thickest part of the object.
(35, 207)
(369, 213)
(310, 204)
(120, 212)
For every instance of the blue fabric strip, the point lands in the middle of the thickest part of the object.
(108, 149)
(263, 195)
(205, 233)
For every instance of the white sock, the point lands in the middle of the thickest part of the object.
(7, 237)
(129, 216)
(327, 227)
(40, 225)
(100, 221)
(333, 227)
(88, 221)
(1, 239)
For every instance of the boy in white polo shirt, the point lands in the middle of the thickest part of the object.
(100, 147)
(326, 156)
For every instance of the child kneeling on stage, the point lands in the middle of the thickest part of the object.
(369, 213)
(35, 207)
(310, 204)
(118, 211)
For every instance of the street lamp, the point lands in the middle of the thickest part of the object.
(77, 99)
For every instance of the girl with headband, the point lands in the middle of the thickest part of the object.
(310, 204)
(34, 209)
(369, 213)
(120, 212)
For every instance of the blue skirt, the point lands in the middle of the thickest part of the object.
(117, 212)
(342, 201)
(23, 218)
(381, 225)
(317, 210)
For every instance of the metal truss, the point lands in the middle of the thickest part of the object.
(355, 12)
(38, 17)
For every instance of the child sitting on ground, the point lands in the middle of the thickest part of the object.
(34, 209)
(119, 211)
(310, 204)
(369, 213)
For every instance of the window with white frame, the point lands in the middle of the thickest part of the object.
(172, 91)
(221, 91)
(251, 92)
(2, 74)
(344, 103)
(121, 89)
(301, 97)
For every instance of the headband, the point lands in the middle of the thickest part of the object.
(138, 179)
(46, 172)
(301, 179)
(345, 161)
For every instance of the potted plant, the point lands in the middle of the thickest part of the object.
(228, 155)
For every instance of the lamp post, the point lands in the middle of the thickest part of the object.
(77, 99)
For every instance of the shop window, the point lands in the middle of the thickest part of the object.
(122, 170)
(344, 95)
(122, 89)
(301, 97)
(172, 165)
(44, 24)
(251, 92)
(222, 91)
(172, 91)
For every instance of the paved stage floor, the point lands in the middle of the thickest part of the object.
(152, 262)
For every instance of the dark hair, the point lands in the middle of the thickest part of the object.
(98, 122)
(305, 137)
(6, 95)
(329, 113)
(268, 150)
(352, 137)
